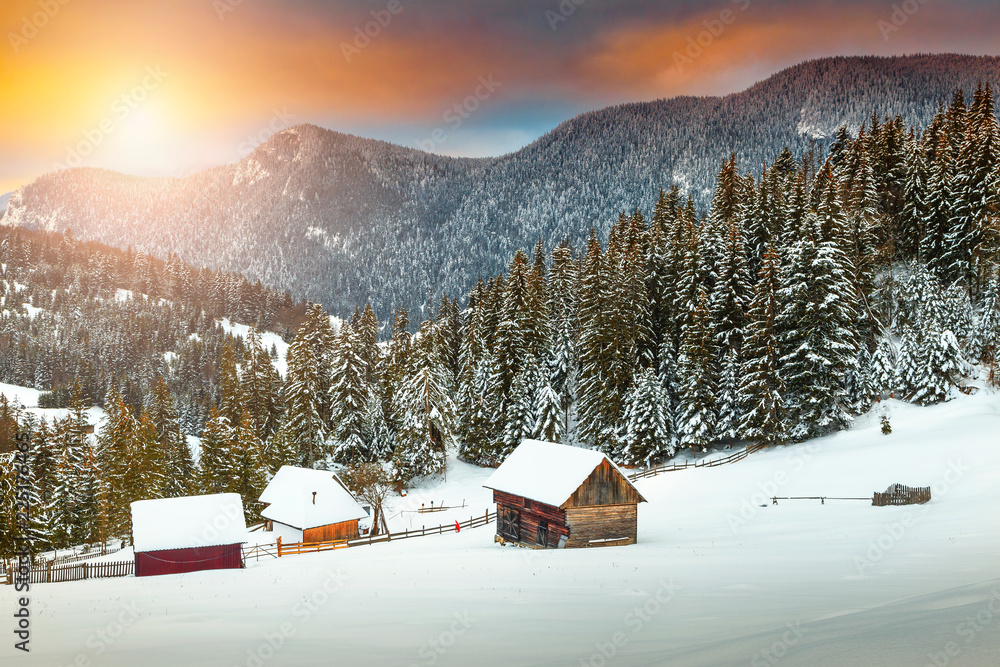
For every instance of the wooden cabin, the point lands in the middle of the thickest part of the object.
(553, 496)
(306, 505)
(188, 534)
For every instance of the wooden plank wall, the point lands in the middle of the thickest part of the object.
(607, 522)
(531, 513)
(345, 530)
(604, 486)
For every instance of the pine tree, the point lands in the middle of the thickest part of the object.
(648, 427)
(349, 398)
(762, 387)
(178, 469)
(698, 380)
(427, 422)
(818, 335)
(216, 459)
(303, 397)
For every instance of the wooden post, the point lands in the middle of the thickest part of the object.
(48, 572)
(279, 546)
(85, 570)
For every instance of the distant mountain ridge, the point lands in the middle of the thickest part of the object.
(343, 220)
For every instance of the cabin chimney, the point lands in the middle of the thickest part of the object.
(314, 497)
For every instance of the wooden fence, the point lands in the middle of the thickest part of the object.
(94, 553)
(49, 574)
(310, 547)
(898, 494)
(708, 463)
(259, 551)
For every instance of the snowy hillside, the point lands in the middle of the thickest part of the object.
(720, 576)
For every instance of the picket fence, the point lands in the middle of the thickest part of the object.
(50, 573)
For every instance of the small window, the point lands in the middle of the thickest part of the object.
(543, 533)
(527, 504)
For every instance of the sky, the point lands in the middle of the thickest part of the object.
(169, 87)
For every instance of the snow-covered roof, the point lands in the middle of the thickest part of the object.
(188, 521)
(290, 498)
(545, 471)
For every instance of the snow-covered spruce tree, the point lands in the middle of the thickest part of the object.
(988, 324)
(941, 366)
(178, 470)
(230, 405)
(915, 208)
(594, 409)
(562, 354)
(216, 460)
(648, 426)
(972, 236)
(381, 441)
(521, 416)
(260, 387)
(883, 374)
(303, 397)
(728, 408)
(696, 423)
(247, 468)
(348, 398)
(761, 386)
(550, 418)
(818, 335)
(427, 420)
(937, 225)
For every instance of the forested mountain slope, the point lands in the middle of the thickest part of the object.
(343, 220)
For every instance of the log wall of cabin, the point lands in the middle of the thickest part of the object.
(606, 522)
(531, 512)
(345, 530)
(604, 486)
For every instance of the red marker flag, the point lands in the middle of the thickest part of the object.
(458, 528)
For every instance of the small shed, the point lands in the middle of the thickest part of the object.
(305, 505)
(550, 495)
(187, 534)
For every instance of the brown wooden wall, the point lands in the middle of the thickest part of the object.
(345, 530)
(604, 486)
(602, 523)
(531, 513)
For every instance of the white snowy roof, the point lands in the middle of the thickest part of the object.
(290, 498)
(188, 521)
(545, 471)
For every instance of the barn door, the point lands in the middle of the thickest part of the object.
(510, 524)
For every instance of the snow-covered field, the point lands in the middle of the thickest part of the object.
(720, 576)
(28, 398)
